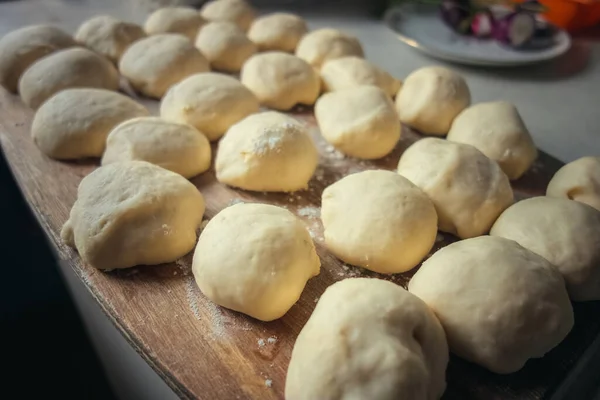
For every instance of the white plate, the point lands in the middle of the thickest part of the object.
(421, 27)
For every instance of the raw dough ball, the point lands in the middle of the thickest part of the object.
(108, 36)
(133, 213)
(500, 304)
(238, 12)
(183, 20)
(430, 99)
(280, 80)
(497, 130)
(360, 122)
(267, 152)
(564, 232)
(255, 259)
(347, 72)
(378, 220)
(579, 181)
(368, 339)
(225, 45)
(22, 47)
(66, 69)
(177, 147)
(468, 189)
(74, 123)
(277, 31)
(209, 102)
(321, 45)
(154, 64)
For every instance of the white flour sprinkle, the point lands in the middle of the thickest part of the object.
(261, 343)
(191, 292)
(272, 340)
(310, 212)
(269, 383)
(235, 201)
(216, 317)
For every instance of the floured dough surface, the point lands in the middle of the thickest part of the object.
(277, 32)
(225, 46)
(239, 12)
(325, 44)
(183, 20)
(578, 180)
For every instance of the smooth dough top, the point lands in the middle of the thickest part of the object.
(578, 180)
(183, 20)
(237, 11)
(319, 46)
(277, 31)
(225, 45)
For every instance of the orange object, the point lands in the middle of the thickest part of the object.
(572, 15)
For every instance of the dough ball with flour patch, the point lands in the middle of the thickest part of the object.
(578, 180)
(378, 220)
(368, 339)
(153, 64)
(319, 46)
(255, 259)
(430, 99)
(66, 69)
(564, 232)
(280, 80)
(499, 303)
(74, 123)
(225, 46)
(360, 122)
(267, 152)
(238, 12)
(209, 102)
(183, 20)
(277, 32)
(24, 46)
(108, 36)
(133, 213)
(468, 189)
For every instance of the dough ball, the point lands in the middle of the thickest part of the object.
(468, 189)
(225, 45)
(209, 102)
(108, 36)
(238, 12)
(277, 32)
(133, 213)
(579, 181)
(497, 130)
(430, 99)
(348, 72)
(280, 80)
(564, 232)
(66, 69)
(255, 259)
(499, 303)
(74, 123)
(183, 20)
(321, 45)
(360, 122)
(368, 339)
(267, 152)
(378, 220)
(22, 47)
(153, 64)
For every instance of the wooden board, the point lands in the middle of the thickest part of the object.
(204, 351)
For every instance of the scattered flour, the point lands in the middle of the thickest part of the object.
(261, 343)
(191, 291)
(269, 383)
(272, 340)
(310, 212)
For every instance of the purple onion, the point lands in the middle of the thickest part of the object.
(515, 29)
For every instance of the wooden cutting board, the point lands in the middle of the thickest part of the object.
(204, 351)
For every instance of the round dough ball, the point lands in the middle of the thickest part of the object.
(267, 152)
(564, 232)
(22, 47)
(280, 80)
(74, 123)
(238, 12)
(154, 64)
(255, 259)
(348, 72)
(468, 189)
(209, 102)
(579, 181)
(378, 220)
(430, 99)
(499, 303)
(133, 213)
(277, 32)
(325, 44)
(497, 130)
(368, 339)
(66, 69)
(108, 36)
(360, 122)
(177, 147)
(225, 45)
(183, 20)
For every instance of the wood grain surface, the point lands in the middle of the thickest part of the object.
(206, 352)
